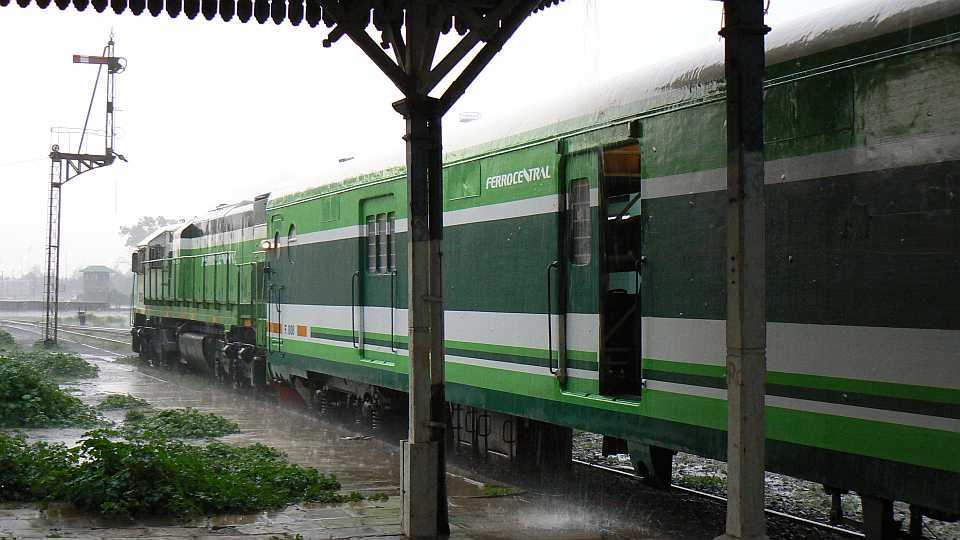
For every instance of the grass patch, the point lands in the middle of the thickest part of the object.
(708, 483)
(43, 345)
(500, 491)
(176, 423)
(158, 476)
(29, 398)
(122, 401)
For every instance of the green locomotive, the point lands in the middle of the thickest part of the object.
(584, 269)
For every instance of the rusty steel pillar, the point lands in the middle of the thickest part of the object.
(745, 270)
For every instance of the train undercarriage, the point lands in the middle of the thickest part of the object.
(229, 357)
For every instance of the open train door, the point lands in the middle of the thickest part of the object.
(600, 315)
(578, 267)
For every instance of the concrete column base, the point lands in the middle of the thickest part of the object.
(418, 489)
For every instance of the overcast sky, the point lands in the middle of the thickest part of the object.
(211, 112)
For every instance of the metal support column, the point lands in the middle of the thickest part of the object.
(423, 450)
(412, 30)
(746, 272)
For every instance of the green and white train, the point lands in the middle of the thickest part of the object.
(583, 268)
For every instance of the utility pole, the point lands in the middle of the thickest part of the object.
(65, 166)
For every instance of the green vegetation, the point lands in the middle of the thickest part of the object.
(29, 398)
(32, 472)
(158, 476)
(57, 365)
(122, 401)
(176, 423)
(7, 343)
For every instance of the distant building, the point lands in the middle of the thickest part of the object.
(96, 284)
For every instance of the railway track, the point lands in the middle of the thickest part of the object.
(797, 519)
(35, 329)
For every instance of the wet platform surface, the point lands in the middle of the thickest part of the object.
(360, 462)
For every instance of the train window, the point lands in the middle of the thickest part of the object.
(392, 242)
(291, 241)
(372, 244)
(382, 241)
(579, 208)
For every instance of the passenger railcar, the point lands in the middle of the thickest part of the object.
(584, 267)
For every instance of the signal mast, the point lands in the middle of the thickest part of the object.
(65, 166)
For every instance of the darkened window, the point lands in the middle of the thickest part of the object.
(372, 244)
(579, 222)
(291, 241)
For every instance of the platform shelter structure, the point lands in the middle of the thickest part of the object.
(401, 37)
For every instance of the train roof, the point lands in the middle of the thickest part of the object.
(691, 77)
(155, 234)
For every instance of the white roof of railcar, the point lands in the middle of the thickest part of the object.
(669, 82)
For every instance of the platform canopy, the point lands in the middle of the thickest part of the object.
(411, 28)
(462, 15)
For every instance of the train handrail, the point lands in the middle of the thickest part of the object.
(269, 337)
(354, 280)
(550, 267)
(393, 304)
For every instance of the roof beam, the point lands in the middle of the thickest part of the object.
(478, 32)
(510, 25)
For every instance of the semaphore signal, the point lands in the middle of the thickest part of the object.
(65, 166)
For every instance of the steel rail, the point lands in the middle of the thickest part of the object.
(112, 330)
(90, 336)
(718, 498)
(39, 333)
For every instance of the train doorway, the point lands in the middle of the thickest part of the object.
(601, 265)
(375, 284)
(620, 233)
